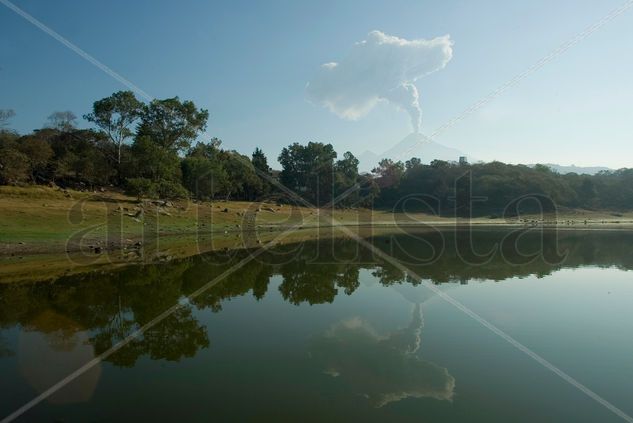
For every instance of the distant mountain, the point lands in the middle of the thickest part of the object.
(413, 145)
(587, 170)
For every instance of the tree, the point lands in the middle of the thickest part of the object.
(389, 173)
(115, 115)
(346, 177)
(5, 116)
(308, 170)
(203, 177)
(243, 182)
(62, 121)
(79, 156)
(171, 123)
(348, 166)
(413, 163)
(14, 165)
(39, 152)
(153, 162)
(260, 161)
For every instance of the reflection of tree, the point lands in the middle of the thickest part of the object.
(178, 336)
(316, 283)
(111, 305)
(388, 274)
(5, 351)
(534, 253)
(316, 272)
(253, 276)
(60, 331)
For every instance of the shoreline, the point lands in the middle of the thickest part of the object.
(46, 231)
(49, 266)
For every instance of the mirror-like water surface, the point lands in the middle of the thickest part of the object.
(326, 330)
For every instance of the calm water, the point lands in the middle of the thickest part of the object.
(326, 330)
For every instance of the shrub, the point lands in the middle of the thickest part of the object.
(141, 187)
(171, 190)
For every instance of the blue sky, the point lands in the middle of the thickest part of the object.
(248, 63)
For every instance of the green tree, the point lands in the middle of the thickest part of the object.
(260, 161)
(154, 162)
(242, 182)
(172, 124)
(413, 163)
(203, 177)
(79, 156)
(39, 152)
(14, 165)
(345, 178)
(115, 116)
(389, 173)
(308, 170)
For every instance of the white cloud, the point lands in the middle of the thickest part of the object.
(380, 68)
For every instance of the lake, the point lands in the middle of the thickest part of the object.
(329, 330)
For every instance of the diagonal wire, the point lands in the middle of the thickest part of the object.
(156, 320)
(557, 52)
(76, 49)
(457, 304)
(168, 312)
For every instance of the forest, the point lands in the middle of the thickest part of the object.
(151, 150)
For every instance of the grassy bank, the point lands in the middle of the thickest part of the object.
(45, 231)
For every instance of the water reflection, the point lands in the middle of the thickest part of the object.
(51, 346)
(101, 308)
(386, 368)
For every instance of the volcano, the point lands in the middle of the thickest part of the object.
(413, 145)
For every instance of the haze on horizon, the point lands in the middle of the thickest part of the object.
(249, 64)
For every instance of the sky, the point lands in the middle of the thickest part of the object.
(254, 66)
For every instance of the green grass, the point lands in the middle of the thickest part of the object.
(46, 231)
(47, 220)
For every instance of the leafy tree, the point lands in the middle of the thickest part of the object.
(39, 152)
(242, 182)
(345, 178)
(63, 121)
(348, 166)
(141, 187)
(79, 156)
(203, 177)
(260, 161)
(154, 162)
(5, 116)
(368, 191)
(413, 163)
(171, 123)
(308, 170)
(14, 165)
(115, 115)
(209, 171)
(389, 173)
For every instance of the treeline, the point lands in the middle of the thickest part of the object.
(146, 149)
(151, 150)
(494, 188)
